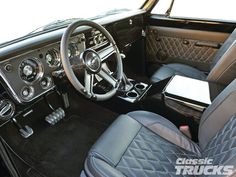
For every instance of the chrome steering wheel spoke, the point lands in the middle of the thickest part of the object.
(91, 62)
(106, 52)
(89, 81)
(104, 74)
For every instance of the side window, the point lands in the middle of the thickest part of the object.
(198, 9)
(161, 7)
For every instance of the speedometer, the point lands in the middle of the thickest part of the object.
(30, 70)
(52, 58)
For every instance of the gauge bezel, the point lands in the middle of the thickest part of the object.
(39, 75)
(55, 54)
(31, 93)
(49, 83)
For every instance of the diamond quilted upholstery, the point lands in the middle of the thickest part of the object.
(151, 155)
(163, 48)
(144, 144)
(222, 148)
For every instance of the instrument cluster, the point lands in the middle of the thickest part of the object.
(29, 75)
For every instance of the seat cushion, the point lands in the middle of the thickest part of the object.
(139, 144)
(172, 69)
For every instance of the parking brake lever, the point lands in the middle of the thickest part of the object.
(25, 131)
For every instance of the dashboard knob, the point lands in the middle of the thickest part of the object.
(27, 92)
(8, 67)
(27, 70)
(46, 82)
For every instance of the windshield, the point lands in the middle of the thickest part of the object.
(20, 18)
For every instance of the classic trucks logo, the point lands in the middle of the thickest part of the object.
(201, 167)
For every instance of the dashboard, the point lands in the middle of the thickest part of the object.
(28, 67)
(30, 75)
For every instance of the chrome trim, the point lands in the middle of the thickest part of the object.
(49, 83)
(191, 105)
(137, 86)
(55, 54)
(39, 74)
(30, 95)
(14, 94)
(11, 107)
(9, 87)
(106, 52)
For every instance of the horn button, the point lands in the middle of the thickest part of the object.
(92, 61)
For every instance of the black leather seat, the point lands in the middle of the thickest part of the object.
(145, 144)
(222, 68)
(177, 69)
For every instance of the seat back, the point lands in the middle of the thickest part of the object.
(224, 63)
(216, 116)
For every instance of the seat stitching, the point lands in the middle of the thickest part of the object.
(130, 142)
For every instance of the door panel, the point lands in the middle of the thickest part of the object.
(178, 45)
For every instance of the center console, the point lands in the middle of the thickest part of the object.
(183, 95)
(186, 96)
(135, 92)
(189, 92)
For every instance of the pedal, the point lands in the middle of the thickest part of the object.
(26, 131)
(55, 116)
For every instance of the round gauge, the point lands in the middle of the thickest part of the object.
(30, 70)
(27, 92)
(46, 82)
(52, 58)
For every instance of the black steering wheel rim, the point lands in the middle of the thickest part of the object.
(69, 71)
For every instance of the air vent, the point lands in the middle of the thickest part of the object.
(7, 109)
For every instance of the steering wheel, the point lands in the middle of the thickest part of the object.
(92, 63)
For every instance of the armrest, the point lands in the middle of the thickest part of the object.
(190, 92)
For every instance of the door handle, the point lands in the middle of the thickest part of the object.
(208, 44)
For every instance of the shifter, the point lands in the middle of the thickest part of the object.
(125, 85)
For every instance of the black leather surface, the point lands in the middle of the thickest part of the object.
(222, 147)
(138, 144)
(123, 130)
(222, 62)
(152, 156)
(180, 45)
(142, 143)
(227, 44)
(111, 146)
(132, 143)
(165, 129)
(172, 69)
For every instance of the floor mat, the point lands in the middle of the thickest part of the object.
(60, 150)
